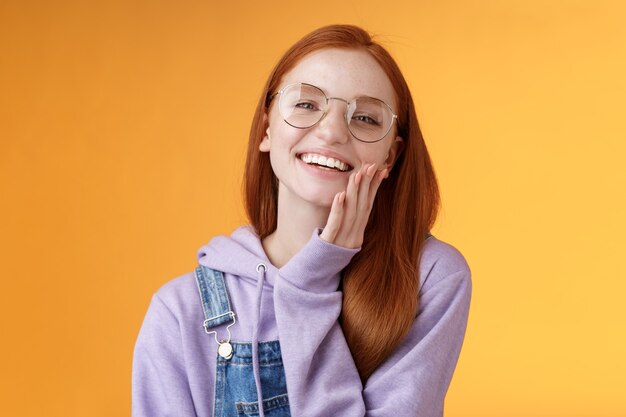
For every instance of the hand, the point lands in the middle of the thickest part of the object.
(351, 208)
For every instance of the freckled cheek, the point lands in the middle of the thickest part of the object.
(377, 154)
(284, 138)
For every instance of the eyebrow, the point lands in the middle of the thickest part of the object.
(324, 90)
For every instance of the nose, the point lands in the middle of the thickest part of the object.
(333, 126)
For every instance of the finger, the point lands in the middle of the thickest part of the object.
(349, 210)
(351, 199)
(364, 187)
(357, 177)
(378, 179)
(362, 209)
(333, 224)
(348, 236)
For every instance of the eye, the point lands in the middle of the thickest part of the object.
(306, 105)
(365, 119)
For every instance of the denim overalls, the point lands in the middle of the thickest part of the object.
(235, 387)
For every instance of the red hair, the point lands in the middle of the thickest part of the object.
(381, 283)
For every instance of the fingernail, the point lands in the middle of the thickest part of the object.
(371, 169)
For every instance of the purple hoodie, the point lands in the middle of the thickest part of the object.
(175, 360)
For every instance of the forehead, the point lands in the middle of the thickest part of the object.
(344, 73)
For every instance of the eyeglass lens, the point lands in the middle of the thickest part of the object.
(303, 105)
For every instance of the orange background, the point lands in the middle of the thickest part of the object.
(123, 126)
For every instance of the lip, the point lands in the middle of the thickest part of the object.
(327, 153)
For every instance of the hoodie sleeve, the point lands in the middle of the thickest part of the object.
(322, 379)
(160, 384)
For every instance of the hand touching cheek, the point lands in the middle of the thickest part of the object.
(351, 208)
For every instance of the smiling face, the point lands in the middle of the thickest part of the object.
(302, 158)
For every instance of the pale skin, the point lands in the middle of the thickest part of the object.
(340, 203)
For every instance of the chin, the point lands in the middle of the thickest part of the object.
(321, 199)
(318, 195)
(326, 201)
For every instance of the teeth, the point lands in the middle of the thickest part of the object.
(324, 161)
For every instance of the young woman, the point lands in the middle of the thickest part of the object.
(336, 300)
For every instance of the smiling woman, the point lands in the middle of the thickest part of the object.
(336, 299)
(306, 122)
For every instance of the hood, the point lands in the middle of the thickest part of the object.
(238, 254)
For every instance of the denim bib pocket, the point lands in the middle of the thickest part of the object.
(274, 407)
(235, 389)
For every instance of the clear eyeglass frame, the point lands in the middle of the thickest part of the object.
(393, 117)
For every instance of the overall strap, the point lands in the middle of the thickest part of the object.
(215, 301)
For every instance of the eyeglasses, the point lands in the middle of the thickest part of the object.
(304, 105)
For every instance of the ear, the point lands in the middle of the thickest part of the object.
(394, 151)
(265, 144)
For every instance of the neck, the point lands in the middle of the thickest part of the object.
(295, 223)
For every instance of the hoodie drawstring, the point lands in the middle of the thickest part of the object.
(260, 269)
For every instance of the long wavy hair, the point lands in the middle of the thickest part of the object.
(381, 283)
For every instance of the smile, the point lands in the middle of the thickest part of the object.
(324, 161)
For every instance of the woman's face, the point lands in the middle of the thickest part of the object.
(341, 73)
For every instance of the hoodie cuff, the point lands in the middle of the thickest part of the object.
(317, 266)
